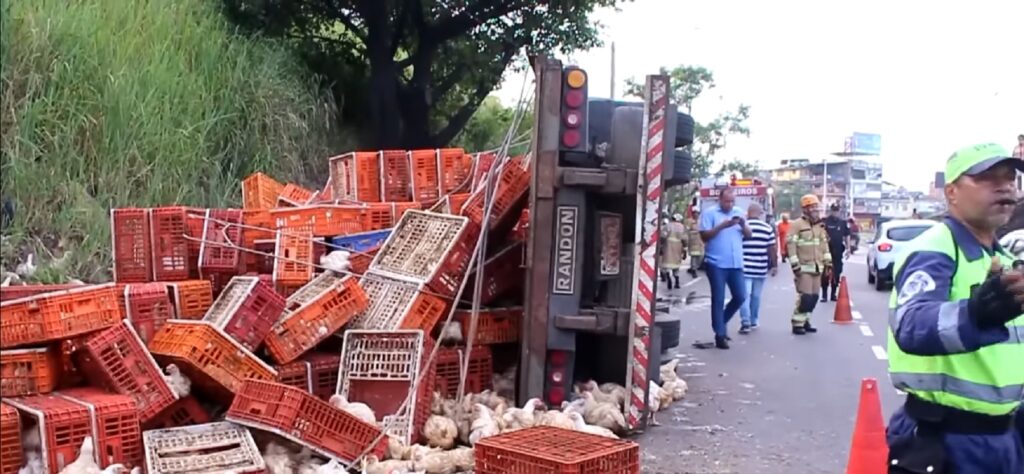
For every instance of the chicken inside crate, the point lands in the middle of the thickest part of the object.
(246, 310)
(379, 368)
(29, 371)
(210, 448)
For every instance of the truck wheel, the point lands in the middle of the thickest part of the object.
(669, 334)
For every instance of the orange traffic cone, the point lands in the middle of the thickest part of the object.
(869, 452)
(843, 314)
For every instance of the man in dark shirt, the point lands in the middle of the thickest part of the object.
(838, 243)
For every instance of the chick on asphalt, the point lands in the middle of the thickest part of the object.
(956, 330)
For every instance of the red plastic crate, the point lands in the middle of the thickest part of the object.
(191, 298)
(168, 227)
(451, 204)
(8, 293)
(293, 265)
(378, 368)
(482, 163)
(324, 220)
(326, 194)
(294, 195)
(214, 361)
(313, 314)
(522, 228)
(493, 326)
(212, 448)
(300, 417)
(431, 248)
(426, 182)
(323, 373)
(116, 420)
(58, 315)
(10, 440)
(356, 177)
(547, 450)
(148, 307)
(360, 261)
(183, 412)
(478, 374)
(246, 310)
(257, 225)
(397, 304)
(396, 177)
(29, 371)
(118, 359)
(455, 168)
(503, 274)
(295, 374)
(218, 252)
(195, 222)
(132, 248)
(511, 186)
(260, 191)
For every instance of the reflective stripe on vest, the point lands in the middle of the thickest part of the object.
(989, 380)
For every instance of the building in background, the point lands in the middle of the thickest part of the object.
(855, 184)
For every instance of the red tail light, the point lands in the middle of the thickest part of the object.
(884, 247)
(556, 395)
(571, 138)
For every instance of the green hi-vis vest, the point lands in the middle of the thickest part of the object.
(987, 381)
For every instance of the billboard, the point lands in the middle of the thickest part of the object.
(864, 144)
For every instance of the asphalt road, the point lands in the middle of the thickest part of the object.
(774, 402)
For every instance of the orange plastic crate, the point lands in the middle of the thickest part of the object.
(322, 219)
(385, 215)
(428, 247)
(218, 252)
(482, 163)
(10, 440)
(503, 275)
(256, 225)
(396, 176)
(356, 177)
(29, 371)
(191, 298)
(295, 374)
(426, 183)
(522, 228)
(148, 306)
(493, 325)
(313, 313)
(246, 310)
(8, 293)
(116, 420)
(183, 412)
(132, 248)
(511, 186)
(118, 359)
(548, 450)
(211, 448)
(214, 362)
(300, 417)
(326, 194)
(260, 191)
(195, 222)
(455, 168)
(58, 315)
(360, 261)
(168, 227)
(478, 374)
(294, 195)
(396, 304)
(294, 251)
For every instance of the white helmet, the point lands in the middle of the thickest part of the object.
(677, 217)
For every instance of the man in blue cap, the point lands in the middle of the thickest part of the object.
(956, 330)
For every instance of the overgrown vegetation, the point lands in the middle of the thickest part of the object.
(113, 104)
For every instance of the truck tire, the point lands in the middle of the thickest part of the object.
(670, 334)
(684, 130)
(682, 169)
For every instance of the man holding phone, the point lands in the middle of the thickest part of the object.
(723, 228)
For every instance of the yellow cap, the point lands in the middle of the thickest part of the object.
(809, 200)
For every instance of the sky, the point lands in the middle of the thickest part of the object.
(928, 76)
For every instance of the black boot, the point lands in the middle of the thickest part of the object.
(692, 272)
(824, 295)
(799, 330)
(810, 329)
(721, 342)
(676, 276)
(835, 294)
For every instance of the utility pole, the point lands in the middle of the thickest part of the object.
(611, 86)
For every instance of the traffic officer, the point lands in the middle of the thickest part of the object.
(694, 244)
(956, 331)
(807, 245)
(838, 243)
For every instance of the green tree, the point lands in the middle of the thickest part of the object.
(413, 72)
(488, 127)
(688, 83)
(787, 197)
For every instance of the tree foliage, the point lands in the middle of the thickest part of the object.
(489, 126)
(411, 73)
(687, 84)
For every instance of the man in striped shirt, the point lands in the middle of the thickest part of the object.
(760, 254)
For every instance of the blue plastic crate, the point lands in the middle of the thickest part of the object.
(362, 241)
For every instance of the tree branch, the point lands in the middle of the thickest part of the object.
(478, 14)
(458, 121)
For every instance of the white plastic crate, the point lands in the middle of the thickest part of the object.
(230, 299)
(202, 449)
(419, 245)
(390, 301)
(387, 356)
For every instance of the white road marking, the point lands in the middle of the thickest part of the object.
(900, 392)
(866, 330)
(695, 280)
(851, 304)
(879, 353)
(856, 315)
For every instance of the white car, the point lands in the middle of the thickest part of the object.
(891, 240)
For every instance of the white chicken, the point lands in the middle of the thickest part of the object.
(440, 432)
(86, 462)
(668, 371)
(398, 450)
(582, 426)
(484, 425)
(372, 465)
(451, 333)
(657, 400)
(521, 418)
(555, 418)
(677, 388)
(606, 392)
(27, 269)
(178, 382)
(278, 459)
(332, 467)
(33, 464)
(505, 383)
(446, 462)
(604, 414)
(338, 261)
(359, 410)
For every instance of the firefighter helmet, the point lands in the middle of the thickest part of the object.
(809, 200)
